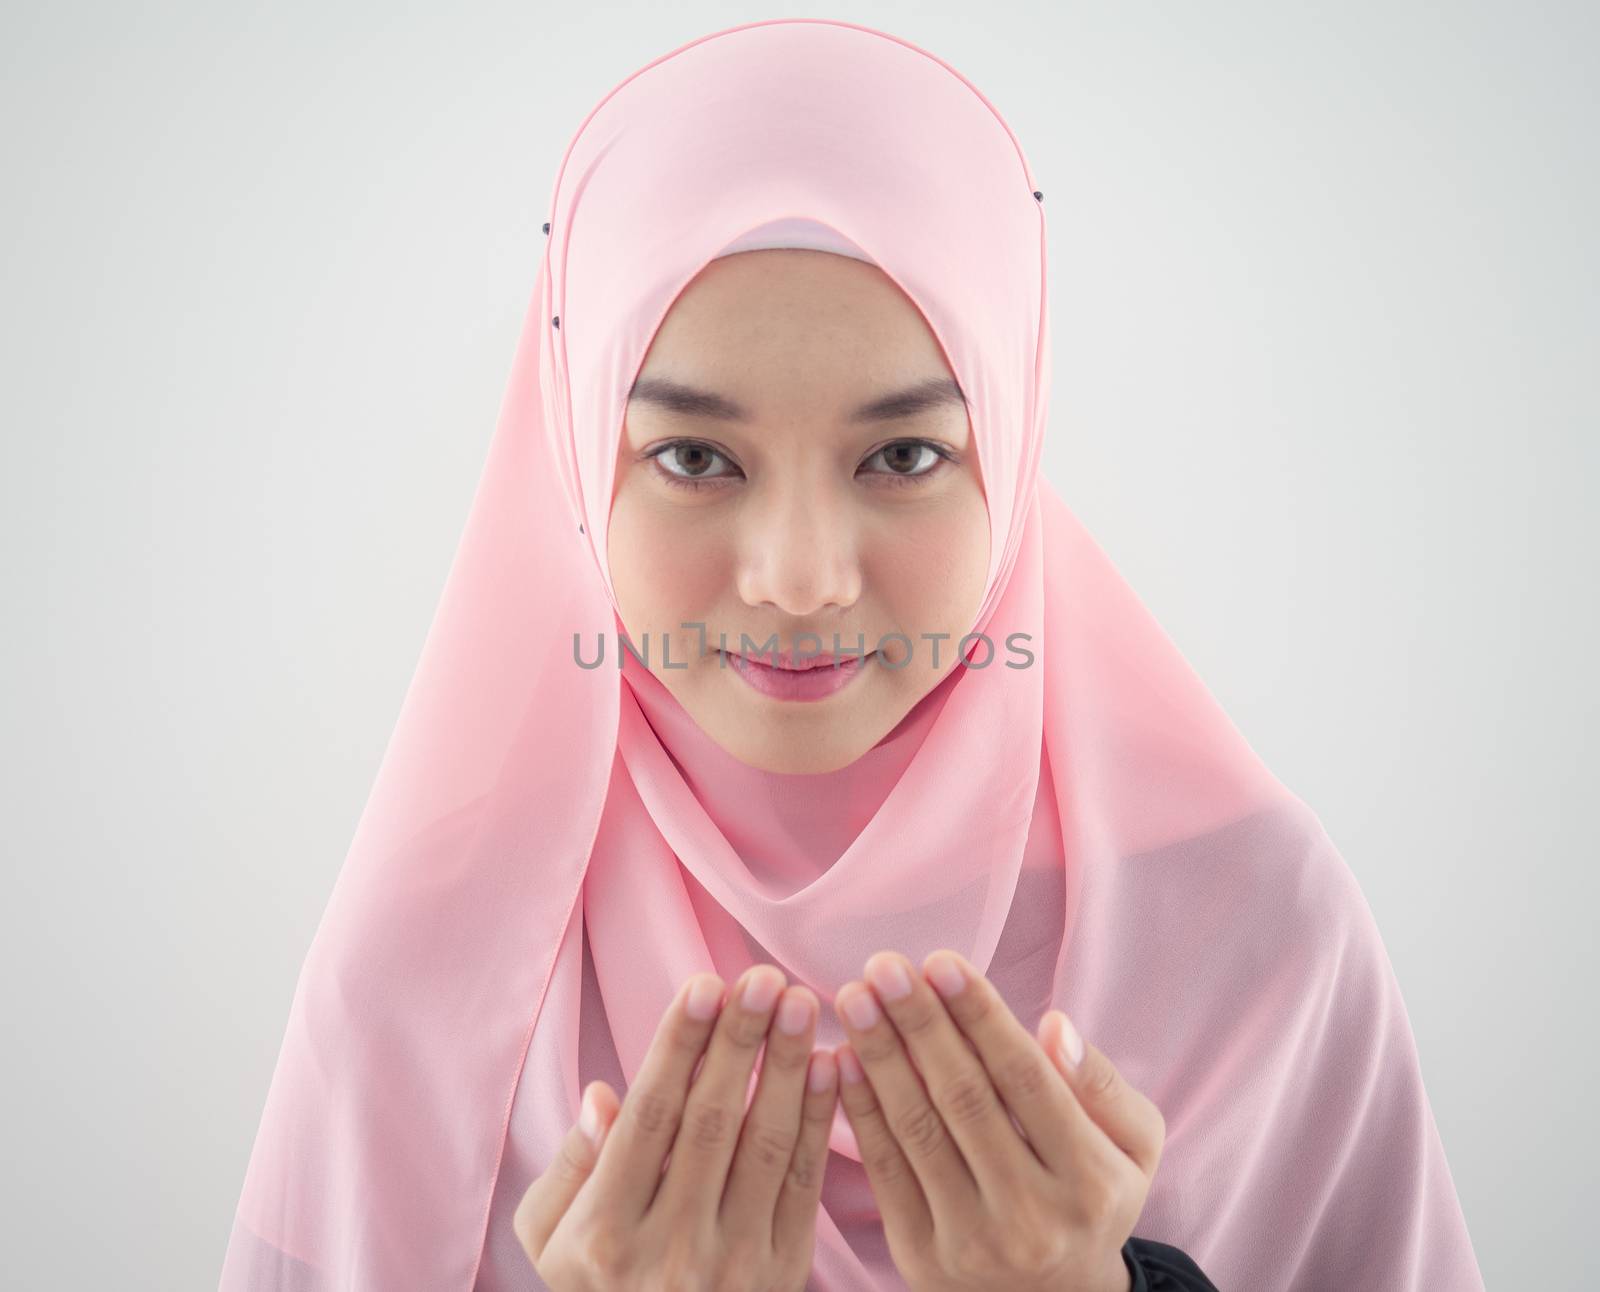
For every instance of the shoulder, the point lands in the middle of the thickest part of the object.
(1261, 895)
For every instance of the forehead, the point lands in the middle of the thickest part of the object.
(793, 293)
(797, 315)
(762, 337)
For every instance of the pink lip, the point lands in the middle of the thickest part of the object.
(813, 678)
(788, 660)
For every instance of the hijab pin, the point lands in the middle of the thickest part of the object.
(556, 321)
(1036, 193)
(547, 226)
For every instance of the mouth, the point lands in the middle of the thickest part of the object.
(789, 662)
(791, 680)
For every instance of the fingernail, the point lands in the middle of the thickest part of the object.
(794, 1014)
(946, 976)
(761, 988)
(589, 1120)
(1070, 1044)
(849, 1066)
(889, 976)
(861, 1009)
(705, 995)
(820, 1075)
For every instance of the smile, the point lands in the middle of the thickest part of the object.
(812, 678)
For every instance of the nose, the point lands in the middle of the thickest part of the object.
(798, 553)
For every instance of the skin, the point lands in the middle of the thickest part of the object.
(996, 1159)
(736, 1206)
(798, 516)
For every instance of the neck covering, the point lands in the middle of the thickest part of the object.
(1211, 939)
(786, 828)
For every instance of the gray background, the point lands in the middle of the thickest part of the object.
(1324, 294)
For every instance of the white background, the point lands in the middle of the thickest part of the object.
(1324, 296)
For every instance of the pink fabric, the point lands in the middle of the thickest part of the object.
(1092, 830)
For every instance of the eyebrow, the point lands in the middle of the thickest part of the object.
(675, 397)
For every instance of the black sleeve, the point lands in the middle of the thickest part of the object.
(1160, 1267)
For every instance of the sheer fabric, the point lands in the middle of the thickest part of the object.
(1212, 941)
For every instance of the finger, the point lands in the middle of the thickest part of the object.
(772, 1126)
(1125, 1113)
(1034, 1090)
(907, 1111)
(958, 1081)
(901, 1201)
(715, 1108)
(627, 1177)
(552, 1192)
(794, 1220)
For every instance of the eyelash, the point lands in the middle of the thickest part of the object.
(899, 478)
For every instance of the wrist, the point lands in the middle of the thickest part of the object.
(1121, 1274)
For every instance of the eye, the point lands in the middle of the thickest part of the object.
(687, 464)
(911, 461)
(697, 473)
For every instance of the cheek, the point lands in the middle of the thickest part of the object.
(927, 571)
(666, 563)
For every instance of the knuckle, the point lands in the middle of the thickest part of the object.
(976, 1258)
(920, 1128)
(655, 1113)
(1039, 1249)
(968, 1098)
(1103, 1081)
(817, 1109)
(884, 1161)
(877, 1046)
(917, 1016)
(1094, 1207)
(707, 1124)
(603, 1253)
(1039, 1242)
(1024, 1073)
(687, 1039)
(786, 1058)
(569, 1166)
(978, 1006)
(743, 1031)
(803, 1172)
(770, 1147)
(880, 1154)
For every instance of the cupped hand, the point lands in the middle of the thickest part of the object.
(996, 1158)
(737, 1203)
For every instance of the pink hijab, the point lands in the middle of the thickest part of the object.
(1212, 941)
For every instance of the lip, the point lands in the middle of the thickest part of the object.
(813, 678)
(795, 664)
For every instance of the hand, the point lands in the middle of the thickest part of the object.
(971, 1198)
(603, 1215)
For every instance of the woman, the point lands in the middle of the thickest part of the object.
(1091, 969)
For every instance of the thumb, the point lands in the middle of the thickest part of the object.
(552, 1192)
(1130, 1119)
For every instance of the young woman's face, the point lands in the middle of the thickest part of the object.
(768, 486)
